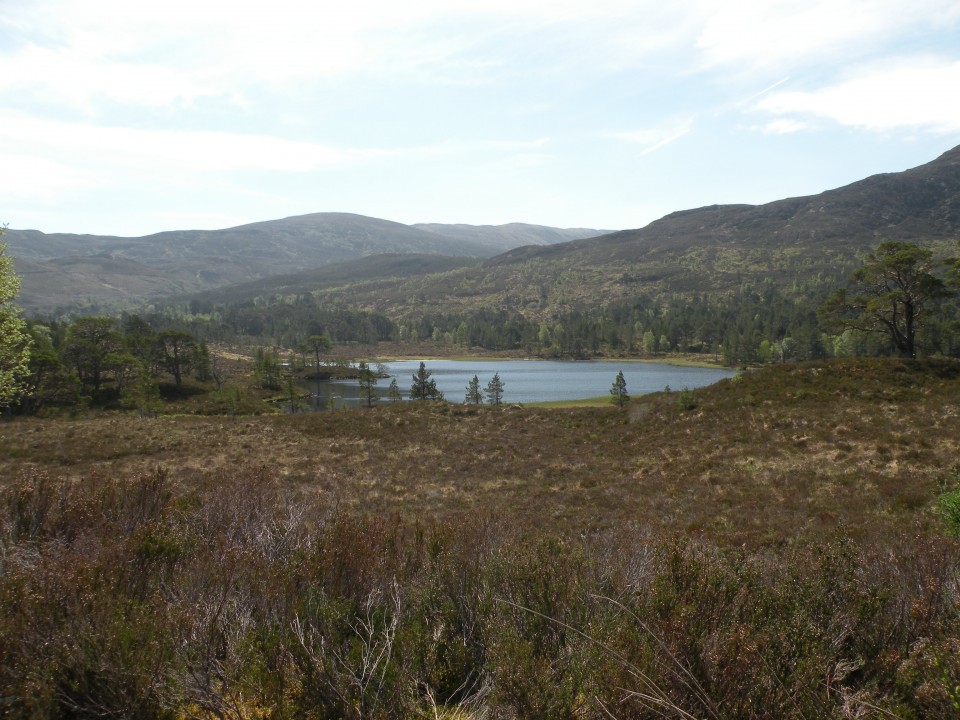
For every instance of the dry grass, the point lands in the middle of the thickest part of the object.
(789, 452)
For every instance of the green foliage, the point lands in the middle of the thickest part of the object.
(895, 295)
(90, 344)
(200, 362)
(267, 368)
(178, 351)
(15, 341)
(393, 392)
(368, 384)
(474, 394)
(948, 503)
(494, 390)
(424, 387)
(685, 399)
(619, 390)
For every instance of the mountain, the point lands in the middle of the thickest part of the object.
(72, 270)
(798, 244)
(510, 235)
(922, 204)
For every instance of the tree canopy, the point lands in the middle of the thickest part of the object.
(494, 390)
(14, 339)
(618, 390)
(424, 387)
(895, 293)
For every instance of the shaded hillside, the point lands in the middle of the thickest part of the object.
(372, 269)
(798, 244)
(78, 281)
(64, 269)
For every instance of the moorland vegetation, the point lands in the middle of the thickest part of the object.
(774, 547)
(781, 544)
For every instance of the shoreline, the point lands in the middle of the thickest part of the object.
(676, 360)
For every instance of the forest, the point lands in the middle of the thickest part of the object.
(784, 543)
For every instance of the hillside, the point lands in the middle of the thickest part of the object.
(511, 235)
(797, 244)
(64, 269)
(369, 271)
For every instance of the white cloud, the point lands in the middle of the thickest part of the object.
(32, 178)
(652, 139)
(106, 147)
(783, 126)
(770, 33)
(911, 93)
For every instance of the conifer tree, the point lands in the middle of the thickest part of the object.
(494, 390)
(619, 390)
(368, 384)
(393, 392)
(423, 387)
(474, 394)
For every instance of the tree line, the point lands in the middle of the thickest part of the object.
(102, 361)
(900, 302)
(757, 323)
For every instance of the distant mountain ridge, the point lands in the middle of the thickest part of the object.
(510, 235)
(62, 269)
(797, 244)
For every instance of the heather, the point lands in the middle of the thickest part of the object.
(778, 545)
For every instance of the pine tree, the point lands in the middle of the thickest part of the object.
(619, 390)
(494, 390)
(474, 394)
(202, 368)
(368, 383)
(423, 387)
(393, 392)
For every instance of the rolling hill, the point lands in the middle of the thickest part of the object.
(796, 244)
(74, 270)
(511, 235)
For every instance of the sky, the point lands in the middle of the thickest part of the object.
(125, 118)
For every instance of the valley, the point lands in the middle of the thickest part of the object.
(179, 542)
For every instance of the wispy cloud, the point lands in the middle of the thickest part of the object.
(778, 33)
(294, 100)
(652, 139)
(783, 126)
(911, 93)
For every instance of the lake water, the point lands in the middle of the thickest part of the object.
(527, 381)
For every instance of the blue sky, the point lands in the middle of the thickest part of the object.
(122, 118)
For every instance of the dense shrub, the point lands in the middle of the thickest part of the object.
(239, 597)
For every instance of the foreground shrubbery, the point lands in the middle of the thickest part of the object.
(239, 597)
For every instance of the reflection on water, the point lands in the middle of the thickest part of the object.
(525, 381)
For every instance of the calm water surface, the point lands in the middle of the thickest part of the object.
(527, 381)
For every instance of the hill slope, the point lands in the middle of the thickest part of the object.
(511, 235)
(797, 242)
(63, 269)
